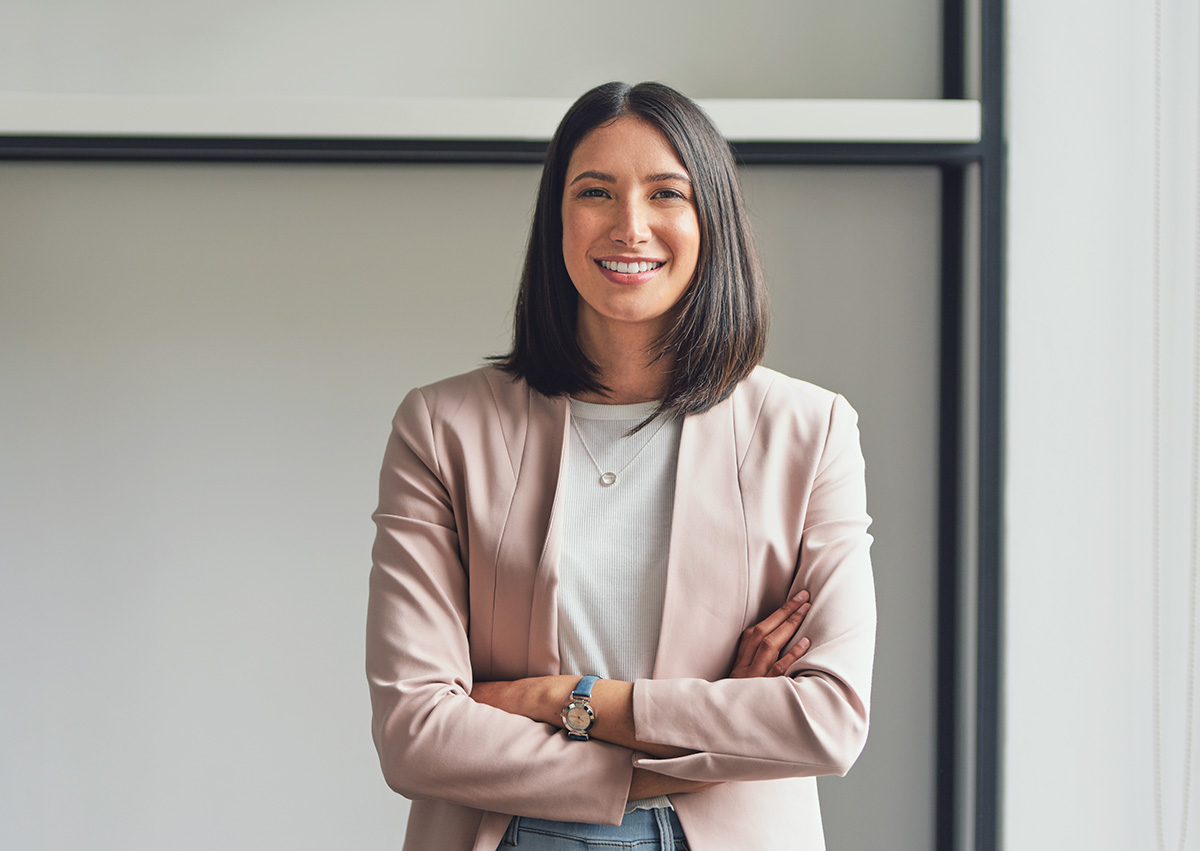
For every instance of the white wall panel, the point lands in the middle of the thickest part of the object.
(1082, 441)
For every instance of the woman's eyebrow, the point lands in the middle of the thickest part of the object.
(593, 175)
(668, 175)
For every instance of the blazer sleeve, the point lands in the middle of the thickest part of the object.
(433, 740)
(814, 720)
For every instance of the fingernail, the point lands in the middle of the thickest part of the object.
(804, 642)
(801, 597)
(804, 609)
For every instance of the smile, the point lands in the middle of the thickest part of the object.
(629, 268)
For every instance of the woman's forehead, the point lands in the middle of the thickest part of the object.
(624, 146)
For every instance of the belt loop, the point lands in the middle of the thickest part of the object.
(666, 836)
(512, 836)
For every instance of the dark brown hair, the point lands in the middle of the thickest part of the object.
(721, 328)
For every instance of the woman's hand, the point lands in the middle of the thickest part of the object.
(759, 650)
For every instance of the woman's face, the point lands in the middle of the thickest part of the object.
(631, 237)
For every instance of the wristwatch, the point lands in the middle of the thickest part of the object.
(578, 715)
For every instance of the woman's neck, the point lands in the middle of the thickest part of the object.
(627, 367)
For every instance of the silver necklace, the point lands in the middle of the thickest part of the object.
(609, 478)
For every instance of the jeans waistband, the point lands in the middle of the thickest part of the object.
(641, 829)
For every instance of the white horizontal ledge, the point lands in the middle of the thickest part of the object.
(945, 121)
(523, 119)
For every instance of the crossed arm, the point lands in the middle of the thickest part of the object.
(763, 651)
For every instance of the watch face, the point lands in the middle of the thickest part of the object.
(578, 717)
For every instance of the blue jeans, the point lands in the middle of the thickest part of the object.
(643, 830)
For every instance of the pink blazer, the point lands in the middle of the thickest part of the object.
(769, 499)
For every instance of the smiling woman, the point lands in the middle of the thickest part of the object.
(653, 142)
(631, 240)
(664, 655)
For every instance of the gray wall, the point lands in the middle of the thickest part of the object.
(198, 365)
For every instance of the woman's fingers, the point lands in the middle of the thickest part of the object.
(771, 644)
(788, 609)
(753, 636)
(760, 651)
(785, 661)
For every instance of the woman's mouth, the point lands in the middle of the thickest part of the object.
(629, 268)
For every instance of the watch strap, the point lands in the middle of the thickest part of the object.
(584, 687)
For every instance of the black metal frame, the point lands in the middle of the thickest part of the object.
(953, 160)
(992, 328)
(485, 151)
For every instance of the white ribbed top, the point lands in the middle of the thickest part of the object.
(613, 565)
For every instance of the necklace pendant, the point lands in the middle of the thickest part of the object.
(607, 480)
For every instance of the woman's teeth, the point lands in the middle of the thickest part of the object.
(628, 268)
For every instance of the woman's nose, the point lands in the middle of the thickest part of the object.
(632, 225)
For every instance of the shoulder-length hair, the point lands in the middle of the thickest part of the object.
(721, 327)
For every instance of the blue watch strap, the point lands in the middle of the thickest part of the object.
(584, 687)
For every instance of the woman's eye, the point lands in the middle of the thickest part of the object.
(669, 194)
(594, 192)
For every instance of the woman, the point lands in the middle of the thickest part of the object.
(626, 495)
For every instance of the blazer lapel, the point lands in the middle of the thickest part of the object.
(543, 625)
(705, 607)
(525, 612)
